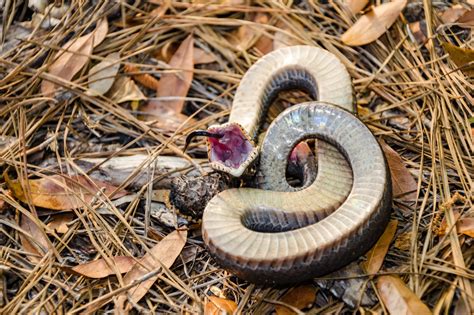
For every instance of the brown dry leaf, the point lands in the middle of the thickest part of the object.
(102, 75)
(98, 269)
(398, 298)
(168, 118)
(175, 85)
(202, 57)
(467, 19)
(403, 184)
(124, 90)
(355, 6)
(68, 62)
(462, 57)
(59, 222)
(60, 192)
(452, 14)
(218, 306)
(376, 254)
(282, 39)
(100, 32)
(166, 251)
(247, 35)
(145, 79)
(403, 241)
(466, 226)
(39, 247)
(300, 297)
(373, 24)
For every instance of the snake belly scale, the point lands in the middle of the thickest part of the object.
(287, 235)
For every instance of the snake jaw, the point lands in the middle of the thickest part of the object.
(233, 151)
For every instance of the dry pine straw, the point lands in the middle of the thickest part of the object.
(410, 95)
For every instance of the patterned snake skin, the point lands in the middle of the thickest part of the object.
(284, 235)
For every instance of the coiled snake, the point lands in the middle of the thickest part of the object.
(282, 235)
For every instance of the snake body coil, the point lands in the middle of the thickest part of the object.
(288, 235)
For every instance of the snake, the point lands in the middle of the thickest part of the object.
(281, 234)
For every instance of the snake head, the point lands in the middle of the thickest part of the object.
(229, 148)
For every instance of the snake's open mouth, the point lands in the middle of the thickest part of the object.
(232, 148)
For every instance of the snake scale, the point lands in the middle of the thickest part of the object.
(281, 234)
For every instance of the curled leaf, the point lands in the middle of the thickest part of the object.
(373, 24)
(217, 306)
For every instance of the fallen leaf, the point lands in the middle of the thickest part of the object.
(218, 306)
(59, 222)
(162, 254)
(466, 226)
(37, 245)
(451, 15)
(100, 32)
(403, 241)
(168, 118)
(247, 35)
(282, 39)
(68, 62)
(98, 269)
(73, 57)
(376, 254)
(300, 297)
(462, 57)
(398, 298)
(373, 24)
(404, 185)
(467, 19)
(102, 75)
(202, 57)
(355, 6)
(60, 192)
(124, 90)
(174, 84)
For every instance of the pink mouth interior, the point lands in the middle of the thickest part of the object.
(232, 149)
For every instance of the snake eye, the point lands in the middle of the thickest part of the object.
(200, 133)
